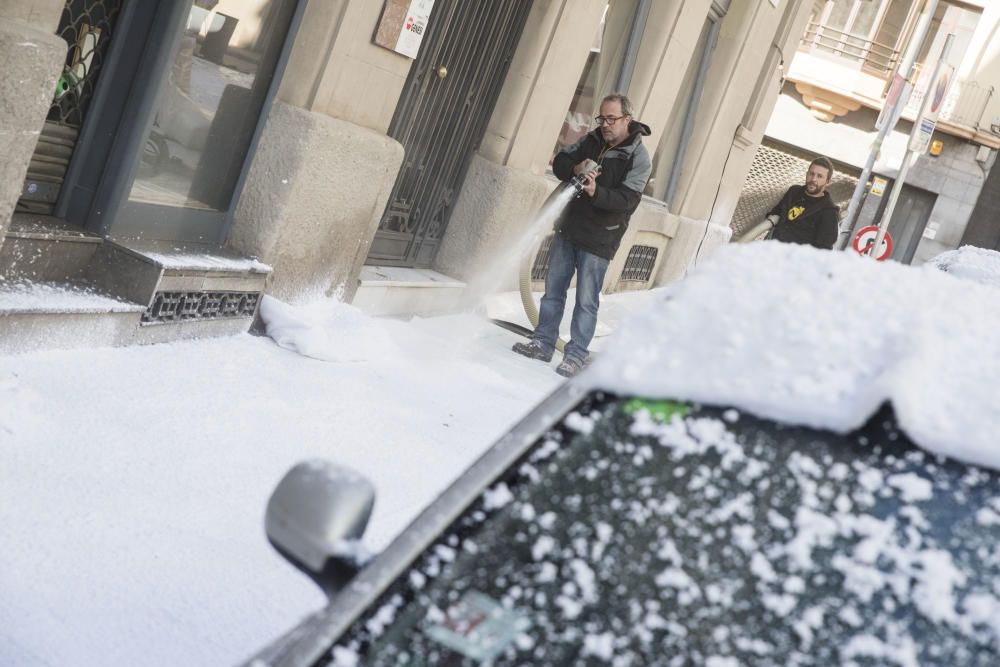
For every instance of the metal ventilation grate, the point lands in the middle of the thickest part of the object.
(640, 263)
(775, 168)
(540, 267)
(168, 307)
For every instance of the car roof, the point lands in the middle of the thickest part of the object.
(822, 339)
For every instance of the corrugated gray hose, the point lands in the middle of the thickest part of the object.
(758, 230)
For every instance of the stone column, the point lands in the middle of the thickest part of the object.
(31, 58)
(324, 168)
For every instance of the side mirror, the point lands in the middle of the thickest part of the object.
(315, 519)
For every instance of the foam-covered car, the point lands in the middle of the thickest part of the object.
(790, 460)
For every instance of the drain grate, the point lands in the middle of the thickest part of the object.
(168, 307)
(640, 263)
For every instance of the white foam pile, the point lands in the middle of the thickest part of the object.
(823, 339)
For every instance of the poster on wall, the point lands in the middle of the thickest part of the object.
(403, 24)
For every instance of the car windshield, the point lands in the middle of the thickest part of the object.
(652, 533)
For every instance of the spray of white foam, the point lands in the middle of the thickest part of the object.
(504, 270)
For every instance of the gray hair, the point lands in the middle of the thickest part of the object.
(623, 101)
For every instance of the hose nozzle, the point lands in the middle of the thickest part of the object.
(578, 180)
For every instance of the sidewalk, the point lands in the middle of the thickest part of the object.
(134, 481)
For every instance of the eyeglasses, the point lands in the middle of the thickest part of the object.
(607, 120)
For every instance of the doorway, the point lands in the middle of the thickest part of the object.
(447, 101)
(909, 219)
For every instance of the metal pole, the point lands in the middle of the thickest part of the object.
(906, 65)
(911, 155)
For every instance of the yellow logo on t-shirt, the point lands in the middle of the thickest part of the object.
(795, 212)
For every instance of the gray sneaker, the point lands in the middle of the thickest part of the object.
(569, 367)
(533, 350)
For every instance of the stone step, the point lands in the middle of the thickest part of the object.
(128, 295)
(53, 316)
(40, 248)
(180, 284)
(49, 315)
(398, 291)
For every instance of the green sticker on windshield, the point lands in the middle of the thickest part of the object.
(661, 411)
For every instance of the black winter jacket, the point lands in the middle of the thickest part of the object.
(804, 219)
(596, 224)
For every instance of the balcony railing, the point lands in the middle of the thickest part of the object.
(881, 58)
(964, 106)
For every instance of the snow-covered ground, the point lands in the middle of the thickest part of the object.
(134, 480)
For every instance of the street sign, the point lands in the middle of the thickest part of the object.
(402, 25)
(865, 239)
(920, 139)
(878, 186)
(895, 101)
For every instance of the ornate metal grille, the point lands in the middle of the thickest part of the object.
(442, 115)
(775, 168)
(640, 263)
(540, 267)
(170, 307)
(86, 25)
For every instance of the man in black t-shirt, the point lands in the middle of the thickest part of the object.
(807, 214)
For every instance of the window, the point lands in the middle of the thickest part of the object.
(581, 110)
(961, 22)
(948, 19)
(602, 72)
(211, 99)
(851, 29)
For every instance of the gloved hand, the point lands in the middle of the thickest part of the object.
(584, 167)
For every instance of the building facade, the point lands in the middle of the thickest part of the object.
(184, 157)
(840, 81)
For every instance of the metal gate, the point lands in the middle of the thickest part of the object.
(87, 26)
(442, 115)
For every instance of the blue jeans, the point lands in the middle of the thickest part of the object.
(564, 260)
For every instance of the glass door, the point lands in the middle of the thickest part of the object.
(206, 94)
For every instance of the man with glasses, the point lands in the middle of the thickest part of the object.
(588, 232)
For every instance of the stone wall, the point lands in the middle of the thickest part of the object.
(32, 57)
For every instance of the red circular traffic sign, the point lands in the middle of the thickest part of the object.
(865, 239)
